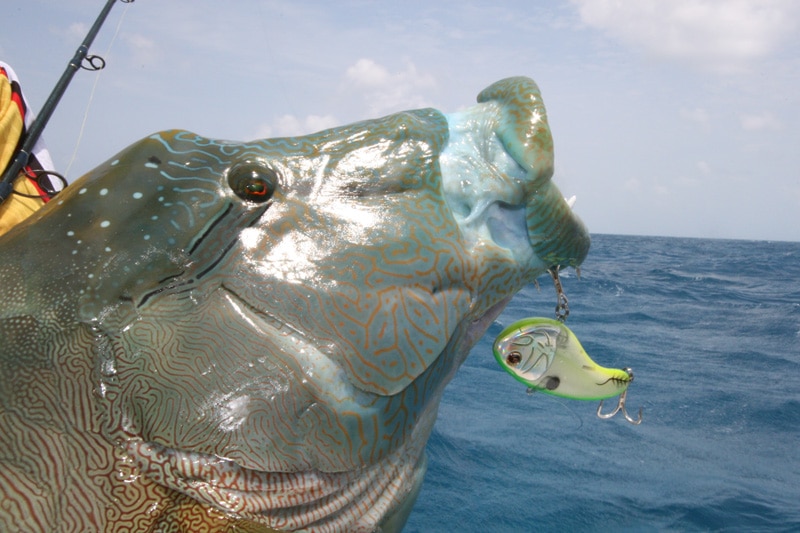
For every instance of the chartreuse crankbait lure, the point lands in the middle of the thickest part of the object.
(546, 356)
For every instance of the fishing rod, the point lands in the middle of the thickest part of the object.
(95, 63)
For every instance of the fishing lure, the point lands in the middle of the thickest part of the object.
(545, 355)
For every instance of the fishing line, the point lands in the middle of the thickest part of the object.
(91, 93)
(567, 407)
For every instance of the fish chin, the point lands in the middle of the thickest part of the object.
(289, 501)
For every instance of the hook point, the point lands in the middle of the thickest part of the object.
(620, 407)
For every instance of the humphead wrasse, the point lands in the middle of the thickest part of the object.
(203, 335)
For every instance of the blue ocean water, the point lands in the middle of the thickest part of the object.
(711, 329)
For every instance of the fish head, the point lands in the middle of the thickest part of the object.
(298, 304)
(344, 270)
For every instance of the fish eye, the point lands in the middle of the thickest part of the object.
(513, 358)
(252, 182)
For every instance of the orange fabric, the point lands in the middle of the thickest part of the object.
(15, 208)
(11, 121)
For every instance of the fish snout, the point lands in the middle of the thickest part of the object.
(497, 170)
(557, 235)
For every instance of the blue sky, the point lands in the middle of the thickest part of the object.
(670, 117)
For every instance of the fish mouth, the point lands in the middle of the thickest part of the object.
(324, 501)
(496, 172)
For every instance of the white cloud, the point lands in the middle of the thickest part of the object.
(378, 90)
(632, 184)
(385, 91)
(697, 115)
(762, 121)
(704, 168)
(367, 73)
(77, 30)
(292, 126)
(661, 190)
(143, 49)
(722, 35)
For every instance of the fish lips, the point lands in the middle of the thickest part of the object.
(497, 173)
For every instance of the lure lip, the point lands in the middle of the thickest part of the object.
(568, 370)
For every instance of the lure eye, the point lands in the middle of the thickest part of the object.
(513, 358)
(252, 182)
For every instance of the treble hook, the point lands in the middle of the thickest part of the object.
(620, 407)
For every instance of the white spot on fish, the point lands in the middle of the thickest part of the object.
(108, 249)
(115, 162)
(147, 237)
(137, 195)
(103, 192)
(154, 217)
(105, 224)
(70, 233)
(150, 165)
(82, 191)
